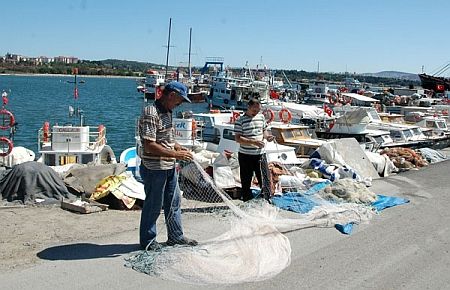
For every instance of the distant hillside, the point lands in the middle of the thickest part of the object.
(394, 75)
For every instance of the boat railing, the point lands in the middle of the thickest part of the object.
(65, 138)
(188, 131)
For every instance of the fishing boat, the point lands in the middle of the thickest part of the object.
(153, 85)
(197, 92)
(74, 143)
(274, 152)
(211, 132)
(229, 92)
(435, 83)
(318, 93)
(206, 123)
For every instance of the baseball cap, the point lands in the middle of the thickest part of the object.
(178, 87)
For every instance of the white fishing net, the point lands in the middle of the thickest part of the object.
(252, 248)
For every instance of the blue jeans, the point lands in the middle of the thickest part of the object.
(161, 190)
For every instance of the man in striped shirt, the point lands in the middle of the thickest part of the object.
(250, 132)
(158, 152)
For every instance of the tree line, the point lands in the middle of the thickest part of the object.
(115, 67)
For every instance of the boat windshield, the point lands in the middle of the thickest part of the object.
(288, 134)
(387, 138)
(374, 115)
(378, 139)
(416, 132)
(441, 125)
(407, 133)
(397, 135)
(228, 134)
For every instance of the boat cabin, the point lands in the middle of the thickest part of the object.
(379, 139)
(436, 124)
(274, 152)
(392, 118)
(227, 91)
(63, 145)
(208, 121)
(153, 85)
(296, 136)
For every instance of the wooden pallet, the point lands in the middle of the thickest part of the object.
(90, 207)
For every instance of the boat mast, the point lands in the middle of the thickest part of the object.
(75, 111)
(189, 60)
(168, 47)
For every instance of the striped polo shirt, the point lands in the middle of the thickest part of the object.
(155, 124)
(252, 128)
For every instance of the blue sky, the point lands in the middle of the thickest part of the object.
(346, 35)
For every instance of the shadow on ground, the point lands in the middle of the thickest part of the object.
(83, 251)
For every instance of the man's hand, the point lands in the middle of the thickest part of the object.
(178, 147)
(259, 144)
(184, 155)
(270, 138)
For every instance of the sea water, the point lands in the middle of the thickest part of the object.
(113, 102)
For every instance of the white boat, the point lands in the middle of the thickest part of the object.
(275, 152)
(403, 135)
(348, 123)
(318, 93)
(207, 122)
(221, 139)
(61, 145)
(352, 122)
(352, 85)
(234, 92)
(379, 139)
(154, 83)
(367, 117)
(299, 113)
(438, 125)
(69, 144)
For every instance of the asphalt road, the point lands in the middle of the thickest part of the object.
(405, 247)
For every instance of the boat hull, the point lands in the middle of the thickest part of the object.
(439, 84)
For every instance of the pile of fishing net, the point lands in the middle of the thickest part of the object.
(405, 158)
(252, 246)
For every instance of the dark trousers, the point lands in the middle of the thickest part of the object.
(249, 164)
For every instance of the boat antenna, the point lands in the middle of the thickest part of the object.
(168, 47)
(249, 70)
(75, 92)
(289, 82)
(78, 112)
(189, 59)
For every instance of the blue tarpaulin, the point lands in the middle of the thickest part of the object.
(298, 202)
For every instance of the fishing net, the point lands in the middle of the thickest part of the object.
(250, 244)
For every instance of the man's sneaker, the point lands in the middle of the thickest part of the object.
(183, 241)
(153, 246)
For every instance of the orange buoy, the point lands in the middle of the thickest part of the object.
(10, 146)
(10, 121)
(269, 115)
(285, 115)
